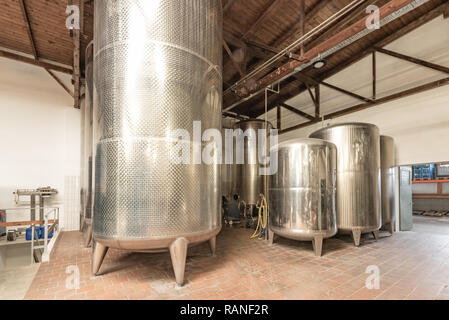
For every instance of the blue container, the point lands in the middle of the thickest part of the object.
(433, 171)
(42, 233)
(426, 171)
(28, 233)
(417, 172)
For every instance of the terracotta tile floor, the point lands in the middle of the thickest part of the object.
(413, 265)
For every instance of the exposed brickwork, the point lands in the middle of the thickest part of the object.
(412, 266)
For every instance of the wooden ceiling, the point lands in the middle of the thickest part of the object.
(47, 20)
(254, 30)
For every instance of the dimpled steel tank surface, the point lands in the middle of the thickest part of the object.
(302, 194)
(388, 163)
(358, 177)
(158, 68)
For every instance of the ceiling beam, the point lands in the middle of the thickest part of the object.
(296, 29)
(33, 45)
(76, 76)
(432, 14)
(311, 94)
(298, 112)
(302, 24)
(420, 62)
(231, 56)
(28, 28)
(275, 5)
(62, 84)
(240, 42)
(228, 5)
(311, 80)
(340, 24)
(317, 101)
(262, 46)
(423, 19)
(363, 106)
(38, 63)
(235, 116)
(252, 85)
(232, 39)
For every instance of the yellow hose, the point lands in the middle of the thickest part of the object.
(262, 221)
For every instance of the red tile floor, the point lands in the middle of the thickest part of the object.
(412, 265)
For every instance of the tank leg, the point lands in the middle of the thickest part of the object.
(178, 253)
(356, 234)
(270, 237)
(213, 245)
(82, 225)
(376, 235)
(98, 253)
(391, 228)
(317, 243)
(88, 238)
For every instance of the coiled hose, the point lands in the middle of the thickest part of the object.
(262, 221)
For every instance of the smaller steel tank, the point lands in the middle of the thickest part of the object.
(358, 177)
(388, 181)
(302, 194)
(227, 171)
(248, 183)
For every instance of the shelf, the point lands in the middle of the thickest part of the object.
(20, 240)
(431, 181)
(430, 196)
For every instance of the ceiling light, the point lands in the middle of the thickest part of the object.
(319, 64)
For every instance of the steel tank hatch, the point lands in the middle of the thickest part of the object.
(158, 68)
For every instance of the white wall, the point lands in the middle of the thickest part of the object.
(39, 135)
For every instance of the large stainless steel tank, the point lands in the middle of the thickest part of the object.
(358, 177)
(88, 144)
(302, 194)
(388, 178)
(248, 182)
(158, 68)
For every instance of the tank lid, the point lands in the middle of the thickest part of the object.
(344, 124)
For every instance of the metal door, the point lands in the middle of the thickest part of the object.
(405, 199)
